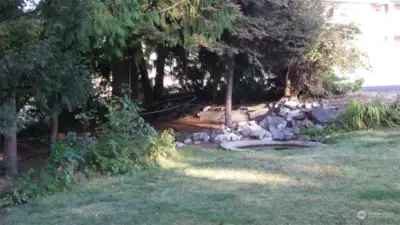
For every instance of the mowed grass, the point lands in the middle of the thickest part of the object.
(357, 172)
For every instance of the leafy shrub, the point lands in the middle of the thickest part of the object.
(163, 146)
(373, 114)
(126, 142)
(60, 172)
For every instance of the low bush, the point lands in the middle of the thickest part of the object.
(125, 142)
(63, 169)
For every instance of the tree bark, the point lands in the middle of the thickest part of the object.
(216, 73)
(229, 87)
(10, 140)
(287, 83)
(134, 79)
(162, 53)
(120, 76)
(54, 130)
(145, 80)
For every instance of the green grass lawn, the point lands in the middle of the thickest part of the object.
(357, 172)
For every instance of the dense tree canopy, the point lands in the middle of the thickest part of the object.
(53, 51)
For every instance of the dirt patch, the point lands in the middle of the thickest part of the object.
(187, 124)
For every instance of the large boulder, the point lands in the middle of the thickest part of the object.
(258, 132)
(322, 115)
(289, 134)
(221, 138)
(277, 127)
(264, 123)
(235, 137)
(300, 116)
(201, 136)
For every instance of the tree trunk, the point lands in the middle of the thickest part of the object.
(229, 87)
(162, 53)
(216, 73)
(54, 130)
(134, 79)
(145, 80)
(120, 76)
(10, 140)
(287, 83)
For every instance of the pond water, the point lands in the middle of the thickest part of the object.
(274, 147)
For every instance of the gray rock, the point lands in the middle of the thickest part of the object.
(197, 142)
(258, 132)
(235, 137)
(246, 132)
(284, 111)
(296, 130)
(322, 115)
(276, 122)
(292, 103)
(289, 135)
(201, 136)
(179, 144)
(277, 127)
(300, 116)
(225, 128)
(187, 141)
(315, 104)
(224, 137)
(264, 123)
(308, 105)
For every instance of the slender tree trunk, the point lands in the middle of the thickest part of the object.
(120, 76)
(162, 53)
(134, 78)
(229, 87)
(216, 80)
(287, 83)
(10, 140)
(145, 80)
(54, 129)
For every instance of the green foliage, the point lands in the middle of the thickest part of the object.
(61, 171)
(126, 142)
(35, 63)
(336, 85)
(373, 114)
(333, 53)
(314, 132)
(163, 146)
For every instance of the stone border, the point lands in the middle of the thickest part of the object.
(236, 145)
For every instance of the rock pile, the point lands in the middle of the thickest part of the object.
(281, 121)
